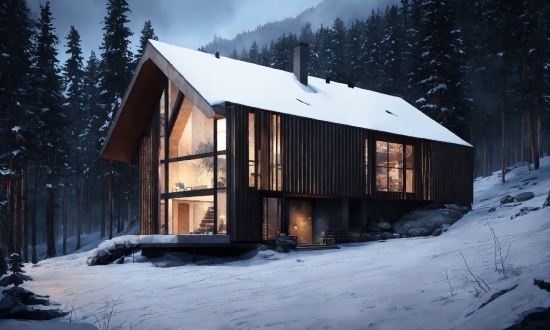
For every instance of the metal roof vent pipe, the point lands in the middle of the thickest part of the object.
(301, 53)
(351, 85)
(327, 80)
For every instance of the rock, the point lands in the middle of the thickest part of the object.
(492, 209)
(396, 235)
(435, 206)
(524, 196)
(386, 235)
(119, 261)
(367, 237)
(529, 179)
(111, 250)
(384, 226)
(437, 232)
(445, 227)
(414, 232)
(428, 219)
(507, 199)
(537, 318)
(284, 244)
(466, 209)
(14, 306)
(524, 211)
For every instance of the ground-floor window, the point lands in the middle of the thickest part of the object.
(272, 218)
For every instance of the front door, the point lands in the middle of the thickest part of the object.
(300, 214)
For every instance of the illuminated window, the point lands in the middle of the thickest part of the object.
(275, 153)
(251, 152)
(394, 167)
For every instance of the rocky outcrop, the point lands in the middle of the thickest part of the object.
(285, 244)
(430, 220)
(525, 196)
(506, 199)
(19, 303)
(112, 250)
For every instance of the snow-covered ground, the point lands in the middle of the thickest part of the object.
(397, 284)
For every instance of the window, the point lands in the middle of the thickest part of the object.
(272, 218)
(394, 167)
(251, 152)
(275, 153)
(367, 179)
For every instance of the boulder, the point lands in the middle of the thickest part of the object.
(435, 206)
(524, 196)
(507, 199)
(492, 209)
(284, 244)
(437, 232)
(386, 235)
(445, 227)
(414, 232)
(113, 249)
(396, 235)
(367, 237)
(384, 226)
(427, 219)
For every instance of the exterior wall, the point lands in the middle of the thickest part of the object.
(149, 180)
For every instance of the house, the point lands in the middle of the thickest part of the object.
(245, 152)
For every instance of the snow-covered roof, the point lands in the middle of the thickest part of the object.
(228, 80)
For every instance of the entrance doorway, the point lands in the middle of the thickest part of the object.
(300, 215)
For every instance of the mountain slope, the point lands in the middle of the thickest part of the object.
(324, 13)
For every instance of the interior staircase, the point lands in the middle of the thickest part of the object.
(207, 222)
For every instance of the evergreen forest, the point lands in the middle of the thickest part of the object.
(480, 68)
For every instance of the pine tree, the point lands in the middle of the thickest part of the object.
(15, 266)
(356, 52)
(234, 54)
(337, 52)
(146, 33)
(116, 72)
(265, 56)
(49, 101)
(392, 45)
(18, 119)
(373, 55)
(74, 91)
(441, 72)
(254, 54)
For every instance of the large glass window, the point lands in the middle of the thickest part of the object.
(251, 152)
(193, 177)
(275, 153)
(367, 180)
(272, 218)
(394, 167)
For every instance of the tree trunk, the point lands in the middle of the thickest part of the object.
(532, 143)
(539, 135)
(502, 159)
(17, 196)
(33, 231)
(102, 224)
(89, 211)
(129, 196)
(24, 217)
(50, 223)
(78, 222)
(65, 219)
(9, 212)
(110, 199)
(484, 155)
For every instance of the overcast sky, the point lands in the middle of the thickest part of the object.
(186, 23)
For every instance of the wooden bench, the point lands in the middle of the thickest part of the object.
(335, 236)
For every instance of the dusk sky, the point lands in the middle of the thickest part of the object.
(186, 23)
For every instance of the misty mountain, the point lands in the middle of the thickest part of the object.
(322, 14)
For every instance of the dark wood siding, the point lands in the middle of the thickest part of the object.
(149, 180)
(453, 174)
(327, 159)
(244, 203)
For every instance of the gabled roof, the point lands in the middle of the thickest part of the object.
(209, 81)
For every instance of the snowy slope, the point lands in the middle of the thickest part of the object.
(227, 80)
(398, 284)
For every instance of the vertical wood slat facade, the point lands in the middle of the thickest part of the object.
(327, 159)
(149, 178)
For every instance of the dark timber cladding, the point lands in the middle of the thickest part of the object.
(148, 177)
(327, 159)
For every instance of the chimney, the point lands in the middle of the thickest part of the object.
(300, 62)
